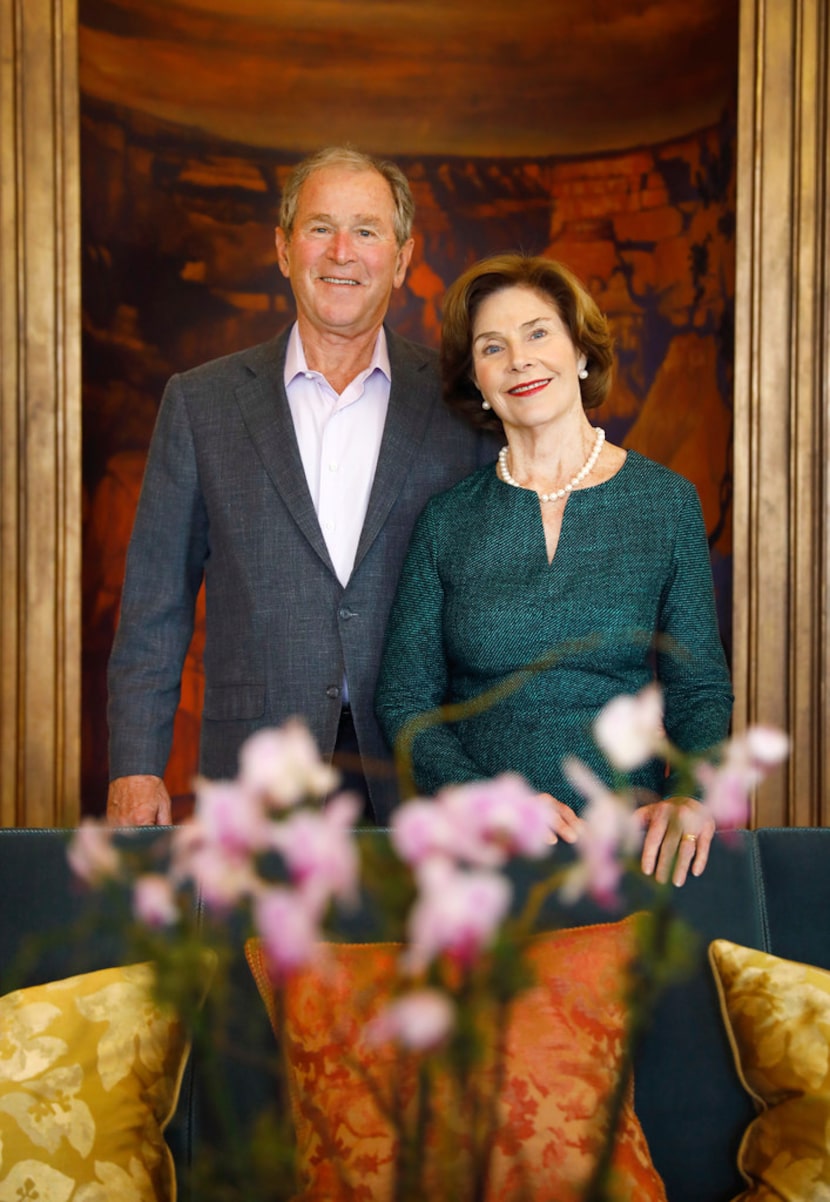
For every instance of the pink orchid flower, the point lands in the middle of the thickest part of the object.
(154, 901)
(284, 766)
(481, 823)
(611, 833)
(457, 911)
(765, 747)
(494, 819)
(217, 848)
(420, 829)
(288, 927)
(417, 1021)
(230, 816)
(319, 850)
(223, 880)
(725, 795)
(629, 730)
(746, 760)
(224, 870)
(91, 853)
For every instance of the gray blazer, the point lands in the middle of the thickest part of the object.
(225, 498)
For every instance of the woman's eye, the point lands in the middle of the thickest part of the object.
(538, 333)
(490, 349)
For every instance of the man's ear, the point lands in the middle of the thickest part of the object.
(281, 243)
(404, 257)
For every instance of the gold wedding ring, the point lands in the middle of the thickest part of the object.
(688, 835)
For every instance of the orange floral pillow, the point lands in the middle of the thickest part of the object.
(564, 1045)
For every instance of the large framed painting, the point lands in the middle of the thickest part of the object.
(601, 135)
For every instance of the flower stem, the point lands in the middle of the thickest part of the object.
(645, 982)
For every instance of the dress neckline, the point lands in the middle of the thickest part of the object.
(588, 488)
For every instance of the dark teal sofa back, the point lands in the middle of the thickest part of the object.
(768, 889)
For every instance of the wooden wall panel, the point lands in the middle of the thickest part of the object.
(781, 397)
(39, 414)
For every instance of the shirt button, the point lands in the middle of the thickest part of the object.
(333, 691)
(333, 467)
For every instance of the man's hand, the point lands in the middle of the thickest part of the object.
(138, 801)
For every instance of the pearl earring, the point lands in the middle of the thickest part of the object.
(485, 404)
(583, 375)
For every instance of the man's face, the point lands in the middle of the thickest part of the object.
(342, 257)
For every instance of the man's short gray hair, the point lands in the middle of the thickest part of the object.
(353, 160)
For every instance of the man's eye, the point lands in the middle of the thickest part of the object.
(366, 233)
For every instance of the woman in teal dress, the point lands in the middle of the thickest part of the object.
(568, 552)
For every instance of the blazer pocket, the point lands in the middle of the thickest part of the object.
(231, 702)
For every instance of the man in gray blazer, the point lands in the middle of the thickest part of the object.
(288, 477)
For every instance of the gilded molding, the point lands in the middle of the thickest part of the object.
(781, 391)
(40, 408)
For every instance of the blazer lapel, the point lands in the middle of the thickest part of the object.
(265, 412)
(407, 419)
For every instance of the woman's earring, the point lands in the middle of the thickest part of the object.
(485, 404)
(583, 375)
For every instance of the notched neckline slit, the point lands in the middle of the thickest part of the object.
(549, 561)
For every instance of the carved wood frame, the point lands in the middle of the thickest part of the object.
(40, 414)
(780, 667)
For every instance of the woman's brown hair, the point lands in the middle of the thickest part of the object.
(585, 322)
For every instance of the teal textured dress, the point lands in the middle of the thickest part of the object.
(478, 602)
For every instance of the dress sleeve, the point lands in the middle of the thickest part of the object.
(165, 563)
(691, 665)
(414, 675)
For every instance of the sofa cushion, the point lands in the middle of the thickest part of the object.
(565, 1043)
(777, 1015)
(43, 906)
(90, 1072)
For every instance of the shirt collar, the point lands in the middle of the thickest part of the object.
(296, 365)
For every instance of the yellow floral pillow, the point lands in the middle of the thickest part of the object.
(90, 1071)
(777, 1015)
(564, 1049)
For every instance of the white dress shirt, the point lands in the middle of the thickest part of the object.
(339, 438)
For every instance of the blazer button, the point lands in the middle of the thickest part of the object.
(333, 691)
(345, 613)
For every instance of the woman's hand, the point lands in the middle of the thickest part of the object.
(566, 825)
(681, 828)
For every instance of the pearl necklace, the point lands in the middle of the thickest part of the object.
(585, 470)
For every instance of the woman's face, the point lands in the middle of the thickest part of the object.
(524, 362)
